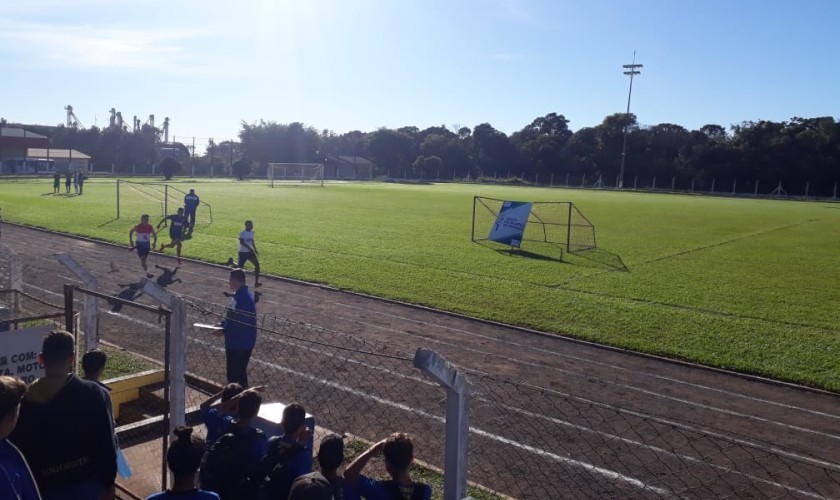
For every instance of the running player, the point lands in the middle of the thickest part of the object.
(145, 241)
(176, 232)
(248, 251)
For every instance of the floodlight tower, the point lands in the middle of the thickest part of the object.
(632, 70)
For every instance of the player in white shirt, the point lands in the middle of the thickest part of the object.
(248, 251)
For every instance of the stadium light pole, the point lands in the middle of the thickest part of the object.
(631, 70)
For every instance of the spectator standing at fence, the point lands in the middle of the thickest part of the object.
(398, 450)
(239, 328)
(68, 180)
(65, 431)
(191, 202)
(219, 418)
(16, 479)
(56, 182)
(145, 240)
(177, 223)
(184, 458)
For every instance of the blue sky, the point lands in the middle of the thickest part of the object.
(363, 64)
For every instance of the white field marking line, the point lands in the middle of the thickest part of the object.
(583, 359)
(660, 450)
(636, 372)
(586, 466)
(686, 427)
(605, 381)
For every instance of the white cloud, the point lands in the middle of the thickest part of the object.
(54, 46)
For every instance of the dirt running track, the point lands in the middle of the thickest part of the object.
(551, 417)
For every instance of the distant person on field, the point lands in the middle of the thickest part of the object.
(184, 458)
(146, 239)
(16, 480)
(191, 202)
(65, 430)
(82, 178)
(398, 450)
(219, 418)
(248, 251)
(177, 223)
(56, 182)
(76, 175)
(239, 328)
(68, 179)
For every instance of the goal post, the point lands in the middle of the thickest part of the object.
(556, 223)
(156, 199)
(301, 172)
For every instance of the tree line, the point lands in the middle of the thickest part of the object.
(795, 152)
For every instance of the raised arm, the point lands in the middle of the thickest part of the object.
(352, 472)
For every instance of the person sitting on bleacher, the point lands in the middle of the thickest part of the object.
(219, 418)
(184, 457)
(398, 450)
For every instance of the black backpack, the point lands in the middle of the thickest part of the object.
(394, 493)
(225, 468)
(272, 477)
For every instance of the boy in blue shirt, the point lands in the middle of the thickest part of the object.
(398, 450)
(177, 223)
(16, 479)
(219, 418)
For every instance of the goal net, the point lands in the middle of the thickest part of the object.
(301, 172)
(549, 223)
(156, 199)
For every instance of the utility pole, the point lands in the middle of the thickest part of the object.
(632, 70)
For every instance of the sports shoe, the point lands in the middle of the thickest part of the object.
(230, 262)
(162, 248)
(179, 261)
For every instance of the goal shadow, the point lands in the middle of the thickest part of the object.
(603, 258)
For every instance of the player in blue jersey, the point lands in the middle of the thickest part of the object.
(177, 224)
(191, 202)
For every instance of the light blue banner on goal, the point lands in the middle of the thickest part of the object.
(510, 223)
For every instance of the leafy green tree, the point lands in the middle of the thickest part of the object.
(242, 168)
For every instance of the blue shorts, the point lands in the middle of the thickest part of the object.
(176, 236)
(143, 249)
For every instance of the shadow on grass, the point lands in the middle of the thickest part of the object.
(108, 222)
(604, 258)
(519, 252)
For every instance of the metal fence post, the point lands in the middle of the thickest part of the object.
(177, 352)
(91, 306)
(457, 419)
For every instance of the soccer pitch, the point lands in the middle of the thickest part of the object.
(749, 285)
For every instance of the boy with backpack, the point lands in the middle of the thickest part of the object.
(287, 457)
(398, 450)
(231, 461)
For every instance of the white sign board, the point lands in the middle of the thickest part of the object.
(19, 351)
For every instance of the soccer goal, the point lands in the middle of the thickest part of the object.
(548, 222)
(301, 172)
(156, 199)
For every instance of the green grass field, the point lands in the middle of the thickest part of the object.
(749, 285)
